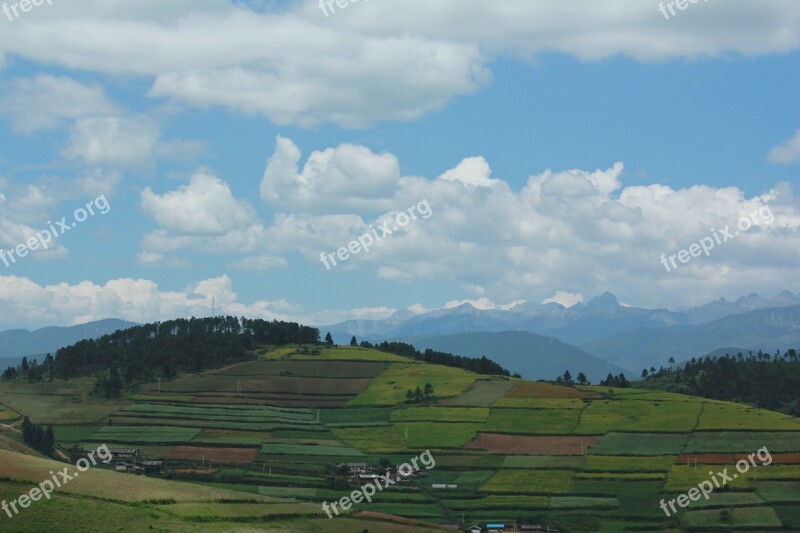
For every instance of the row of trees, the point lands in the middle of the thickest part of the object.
(32, 371)
(38, 438)
(417, 394)
(615, 381)
(760, 379)
(566, 379)
(480, 365)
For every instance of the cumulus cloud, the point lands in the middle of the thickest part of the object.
(24, 303)
(786, 153)
(344, 179)
(565, 228)
(205, 205)
(390, 60)
(472, 171)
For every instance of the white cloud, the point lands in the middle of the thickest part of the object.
(786, 153)
(389, 60)
(567, 299)
(473, 171)
(578, 228)
(161, 260)
(114, 140)
(45, 101)
(345, 179)
(25, 303)
(204, 206)
(259, 263)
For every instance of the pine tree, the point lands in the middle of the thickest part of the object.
(353, 341)
(329, 339)
(48, 442)
(428, 391)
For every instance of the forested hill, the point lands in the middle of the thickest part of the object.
(160, 349)
(769, 382)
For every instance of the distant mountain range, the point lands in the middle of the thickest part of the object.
(628, 337)
(532, 356)
(766, 329)
(17, 343)
(539, 341)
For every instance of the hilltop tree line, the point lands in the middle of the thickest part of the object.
(161, 349)
(140, 354)
(480, 365)
(763, 380)
(32, 371)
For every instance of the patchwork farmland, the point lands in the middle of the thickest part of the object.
(282, 430)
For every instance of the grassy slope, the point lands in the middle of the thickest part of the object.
(630, 468)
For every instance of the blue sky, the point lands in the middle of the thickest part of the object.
(560, 153)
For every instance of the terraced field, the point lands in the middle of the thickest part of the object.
(579, 458)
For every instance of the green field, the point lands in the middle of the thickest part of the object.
(539, 403)
(355, 417)
(583, 502)
(529, 481)
(391, 386)
(609, 463)
(498, 502)
(376, 440)
(532, 421)
(544, 462)
(440, 414)
(742, 517)
(299, 449)
(7, 415)
(344, 353)
(482, 393)
(682, 478)
(731, 441)
(436, 434)
(639, 444)
(638, 415)
(141, 434)
(723, 415)
(617, 487)
(778, 491)
(306, 368)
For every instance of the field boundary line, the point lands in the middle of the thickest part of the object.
(699, 416)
